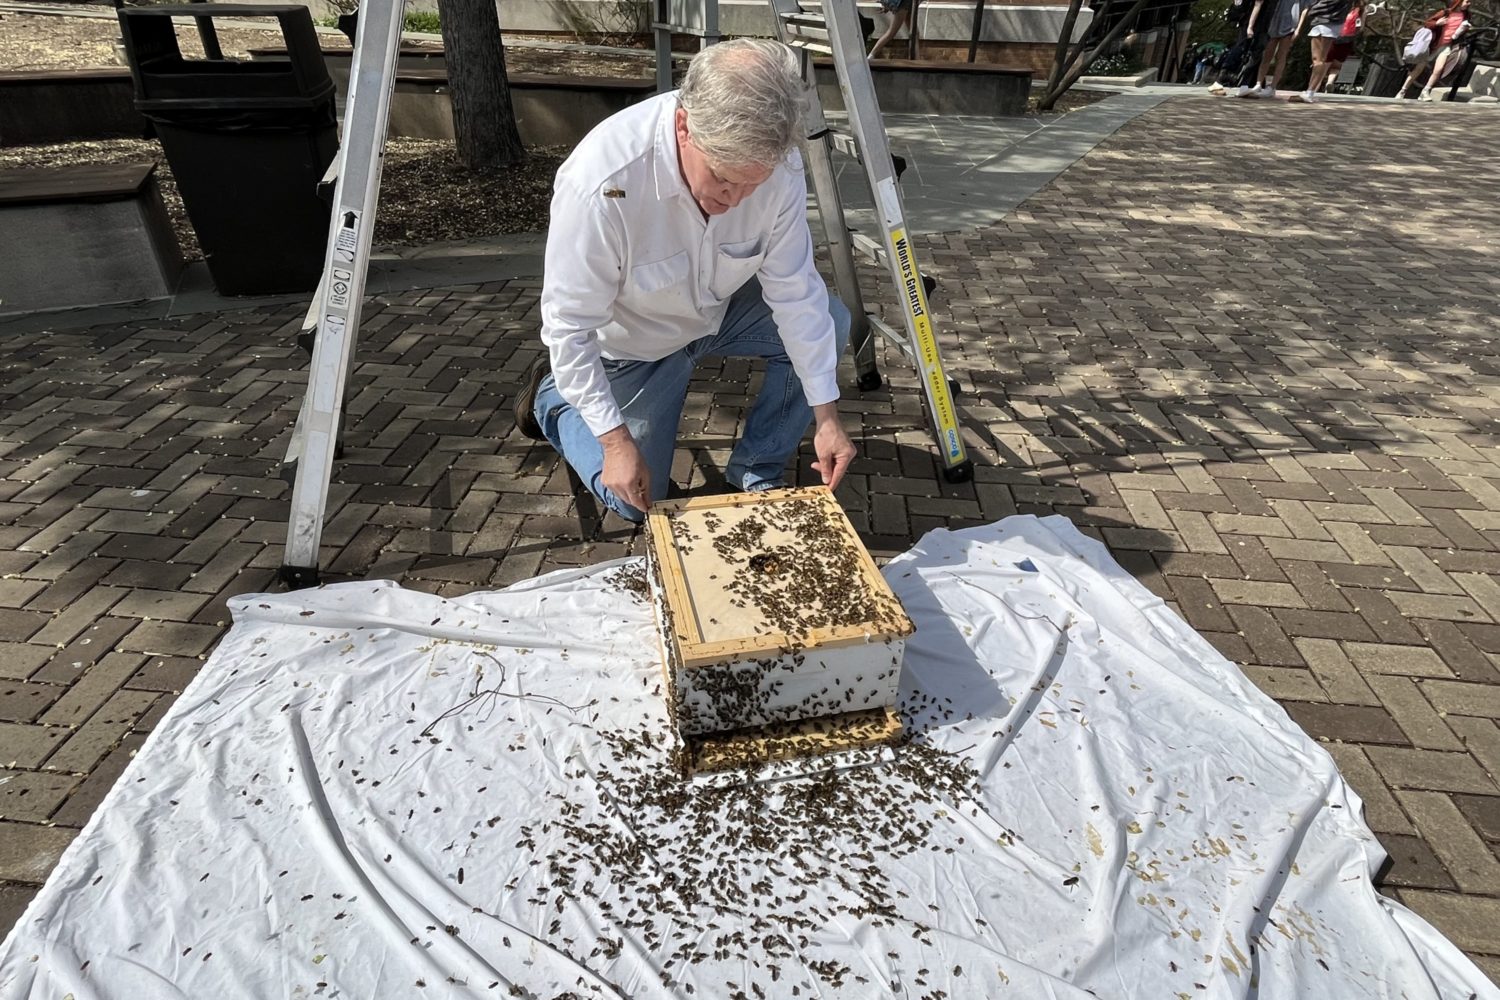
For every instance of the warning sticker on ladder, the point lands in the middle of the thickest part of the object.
(346, 240)
(935, 382)
(338, 288)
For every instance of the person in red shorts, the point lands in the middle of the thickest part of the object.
(1326, 18)
(1343, 46)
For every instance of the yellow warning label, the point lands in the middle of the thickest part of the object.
(931, 364)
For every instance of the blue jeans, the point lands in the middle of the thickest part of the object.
(650, 395)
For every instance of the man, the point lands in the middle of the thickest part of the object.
(679, 232)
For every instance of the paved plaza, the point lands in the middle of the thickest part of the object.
(1253, 348)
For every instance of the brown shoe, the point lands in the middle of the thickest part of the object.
(525, 404)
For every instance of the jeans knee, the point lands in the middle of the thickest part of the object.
(841, 321)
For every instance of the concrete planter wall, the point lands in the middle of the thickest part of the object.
(550, 110)
(927, 88)
(1485, 83)
(1136, 80)
(92, 234)
(58, 106)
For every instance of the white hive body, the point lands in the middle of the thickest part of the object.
(770, 611)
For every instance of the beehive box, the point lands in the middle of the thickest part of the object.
(770, 610)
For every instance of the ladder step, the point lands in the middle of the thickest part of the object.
(818, 48)
(805, 28)
(805, 21)
(873, 249)
(875, 252)
(890, 333)
(844, 143)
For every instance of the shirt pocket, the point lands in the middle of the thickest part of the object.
(735, 264)
(661, 276)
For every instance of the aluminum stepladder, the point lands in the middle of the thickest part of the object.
(332, 323)
(834, 30)
(682, 17)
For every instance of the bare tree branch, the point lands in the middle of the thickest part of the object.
(1080, 61)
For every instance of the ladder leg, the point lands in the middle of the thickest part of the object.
(819, 160)
(841, 20)
(340, 296)
(817, 153)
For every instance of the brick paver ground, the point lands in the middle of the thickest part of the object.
(1253, 348)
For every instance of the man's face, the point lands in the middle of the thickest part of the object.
(716, 187)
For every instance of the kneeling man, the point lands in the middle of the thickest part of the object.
(679, 232)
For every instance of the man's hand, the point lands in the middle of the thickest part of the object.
(625, 474)
(834, 449)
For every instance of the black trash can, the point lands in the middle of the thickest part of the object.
(248, 143)
(1384, 77)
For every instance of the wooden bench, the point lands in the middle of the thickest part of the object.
(84, 235)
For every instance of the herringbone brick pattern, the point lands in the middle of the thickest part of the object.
(1251, 348)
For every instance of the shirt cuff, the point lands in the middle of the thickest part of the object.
(821, 389)
(601, 418)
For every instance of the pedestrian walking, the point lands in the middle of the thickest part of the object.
(1240, 66)
(1343, 48)
(902, 13)
(1325, 24)
(1447, 27)
(1284, 25)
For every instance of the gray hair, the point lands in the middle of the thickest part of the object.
(744, 101)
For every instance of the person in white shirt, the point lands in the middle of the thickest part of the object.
(679, 232)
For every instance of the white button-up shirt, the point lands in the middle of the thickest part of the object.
(635, 272)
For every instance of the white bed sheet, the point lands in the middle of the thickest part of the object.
(370, 792)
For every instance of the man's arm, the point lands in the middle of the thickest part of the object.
(832, 446)
(798, 299)
(580, 283)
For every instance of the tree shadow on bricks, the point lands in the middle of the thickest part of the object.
(1251, 342)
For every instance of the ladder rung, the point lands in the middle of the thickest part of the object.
(869, 246)
(875, 251)
(883, 328)
(805, 21)
(844, 143)
(806, 45)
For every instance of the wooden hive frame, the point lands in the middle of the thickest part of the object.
(686, 644)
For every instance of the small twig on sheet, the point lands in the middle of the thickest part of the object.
(1061, 629)
(495, 694)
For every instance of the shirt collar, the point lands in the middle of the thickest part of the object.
(669, 183)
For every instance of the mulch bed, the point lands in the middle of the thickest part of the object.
(426, 195)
